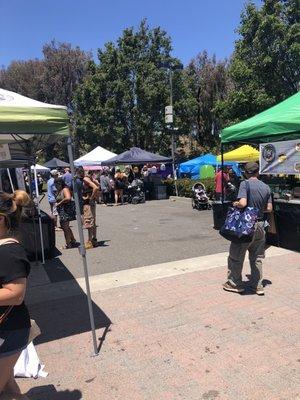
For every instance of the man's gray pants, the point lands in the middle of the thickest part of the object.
(256, 250)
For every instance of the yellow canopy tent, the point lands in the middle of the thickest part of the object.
(244, 153)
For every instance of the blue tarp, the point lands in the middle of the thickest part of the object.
(192, 166)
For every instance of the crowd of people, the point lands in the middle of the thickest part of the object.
(106, 186)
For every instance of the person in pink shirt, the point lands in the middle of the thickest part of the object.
(218, 183)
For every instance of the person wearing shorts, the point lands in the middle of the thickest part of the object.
(88, 192)
(14, 270)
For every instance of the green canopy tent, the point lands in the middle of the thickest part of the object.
(280, 122)
(28, 126)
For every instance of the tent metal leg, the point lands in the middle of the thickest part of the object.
(10, 180)
(82, 249)
(33, 216)
(222, 167)
(37, 195)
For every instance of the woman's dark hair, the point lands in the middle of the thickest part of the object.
(11, 207)
(60, 182)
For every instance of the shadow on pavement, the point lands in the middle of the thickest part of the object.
(48, 392)
(61, 308)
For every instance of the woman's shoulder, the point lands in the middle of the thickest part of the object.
(13, 249)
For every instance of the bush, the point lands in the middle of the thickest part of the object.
(185, 186)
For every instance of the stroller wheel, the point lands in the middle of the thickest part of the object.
(193, 204)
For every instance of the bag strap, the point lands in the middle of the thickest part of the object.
(8, 310)
(8, 241)
(248, 192)
(5, 314)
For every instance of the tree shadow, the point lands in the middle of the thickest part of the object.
(48, 392)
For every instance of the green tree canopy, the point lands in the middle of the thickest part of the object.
(208, 83)
(121, 102)
(265, 66)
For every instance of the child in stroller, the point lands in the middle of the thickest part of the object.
(200, 200)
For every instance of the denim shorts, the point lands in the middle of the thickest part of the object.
(12, 342)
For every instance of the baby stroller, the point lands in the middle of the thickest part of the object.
(200, 200)
(135, 192)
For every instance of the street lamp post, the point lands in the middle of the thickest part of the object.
(169, 121)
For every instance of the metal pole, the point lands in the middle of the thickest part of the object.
(33, 215)
(10, 180)
(82, 249)
(39, 213)
(172, 132)
(222, 166)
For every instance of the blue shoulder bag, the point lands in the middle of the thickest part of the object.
(240, 223)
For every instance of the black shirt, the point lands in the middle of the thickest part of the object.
(14, 265)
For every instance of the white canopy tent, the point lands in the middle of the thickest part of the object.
(94, 157)
(39, 168)
(27, 126)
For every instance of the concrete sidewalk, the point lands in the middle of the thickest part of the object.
(173, 334)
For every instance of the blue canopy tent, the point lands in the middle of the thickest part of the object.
(192, 167)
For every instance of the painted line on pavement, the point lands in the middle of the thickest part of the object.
(53, 291)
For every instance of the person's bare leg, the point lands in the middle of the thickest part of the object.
(12, 386)
(7, 369)
(116, 197)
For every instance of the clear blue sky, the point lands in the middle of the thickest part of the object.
(194, 25)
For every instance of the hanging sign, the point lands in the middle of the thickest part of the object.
(169, 114)
(280, 158)
(4, 152)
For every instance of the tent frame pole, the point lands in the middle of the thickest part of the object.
(222, 168)
(82, 249)
(37, 196)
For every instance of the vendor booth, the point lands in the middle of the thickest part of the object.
(55, 163)
(154, 187)
(277, 131)
(194, 167)
(136, 156)
(28, 126)
(94, 158)
(243, 154)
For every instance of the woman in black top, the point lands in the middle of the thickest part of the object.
(14, 270)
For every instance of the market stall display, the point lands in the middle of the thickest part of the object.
(277, 130)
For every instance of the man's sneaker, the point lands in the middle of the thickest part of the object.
(230, 288)
(88, 245)
(259, 290)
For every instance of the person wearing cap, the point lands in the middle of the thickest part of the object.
(260, 198)
(51, 193)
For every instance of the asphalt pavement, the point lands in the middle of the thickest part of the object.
(132, 236)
